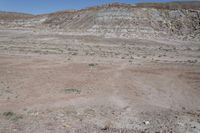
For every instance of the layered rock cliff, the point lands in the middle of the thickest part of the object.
(122, 20)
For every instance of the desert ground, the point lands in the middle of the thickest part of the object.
(59, 82)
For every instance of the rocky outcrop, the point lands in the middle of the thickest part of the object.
(130, 21)
(121, 20)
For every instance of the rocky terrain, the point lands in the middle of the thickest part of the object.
(111, 68)
(175, 21)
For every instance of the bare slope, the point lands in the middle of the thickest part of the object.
(130, 21)
(169, 20)
(13, 15)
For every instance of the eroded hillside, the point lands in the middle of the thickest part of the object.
(107, 69)
(175, 21)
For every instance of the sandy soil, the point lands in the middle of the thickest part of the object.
(56, 82)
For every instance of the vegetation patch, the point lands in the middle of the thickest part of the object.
(12, 116)
(92, 64)
(72, 90)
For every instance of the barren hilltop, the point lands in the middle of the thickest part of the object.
(113, 68)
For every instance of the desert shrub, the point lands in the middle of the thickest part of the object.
(12, 116)
(92, 64)
(72, 90)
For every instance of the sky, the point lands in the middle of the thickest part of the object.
(48, 6)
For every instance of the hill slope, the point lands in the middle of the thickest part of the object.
(14, 15)
(171, 20)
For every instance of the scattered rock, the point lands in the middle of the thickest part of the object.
(146, 122)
